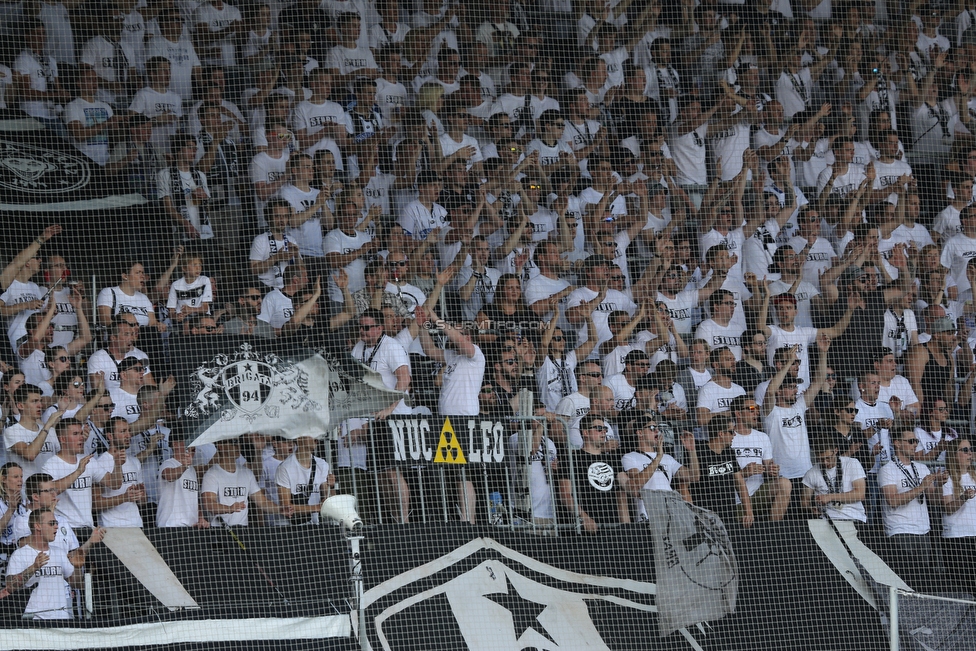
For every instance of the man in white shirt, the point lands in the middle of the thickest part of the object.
(721, 330)
(716, 395)
(576, 405)
(31, 441)
(905, 488)
(596, 271)
(229, 488)
(176, 46)
(754, 452)
(44, 569)
(387, 357)
(75, 474)
(278, 308)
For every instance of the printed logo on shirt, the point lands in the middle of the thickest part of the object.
(191, 485)
(600, 476)
(235, 491)
(793, 422)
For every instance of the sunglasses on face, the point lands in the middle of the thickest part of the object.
(76, 384)
(599, 428)
(367, 326)
(109, 407)
(910, 441)
(593, 374)
(557, 338)
(397, 263)
(848, 410)
(831, 376)
(62, 359)
(509, 362)
(966, 450)
(487, 389)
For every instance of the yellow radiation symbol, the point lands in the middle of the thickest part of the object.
(448, 448)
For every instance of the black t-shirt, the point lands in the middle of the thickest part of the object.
(715, 490)
(596, 484)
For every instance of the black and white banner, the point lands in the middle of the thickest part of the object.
(453, 440)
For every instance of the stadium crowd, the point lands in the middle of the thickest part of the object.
(728, 245)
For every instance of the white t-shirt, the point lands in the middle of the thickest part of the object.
(17, 433)
(230, 488)
(418, 221)
(614, 300)
(19, 292)
(102, 361)
(659, 481)
(276, 308)
(127, 513)
(126, 405)
(182, 58)
(178, 499)
(540, 491)
(801, 337)
(152, 104)
(461, 384)
(717, 399)
(309, 234)
(183, 294)
(574, 407)
(851, 470)
(137, 305)
(718, 335)
(956, 253)
(303, 486)
(266, 169)
(338, 241)
(385, 358)
(556, 379)
(681, 308)
(787, 429)
(48, 587)
(89, 114)
(754, 447)
(75, 504)
(962, 523)
(183, 201)
(868, 416)
(911, 518)
(623, 392)
(263, 247)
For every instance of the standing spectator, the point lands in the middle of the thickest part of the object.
(90, 122)
(21, 295)
(754, 452)
(649, 468)
(304, 481)
(597, 497)
(179, 489)
(75, 475)
(228, 489)
(577, 405)
(273, 251)
(157, 102)
(387, 357)
(905, 488)
(721, 479)
(835, 486)
(183, 191)
(44, 569)
(119, 507)
(959, 523)
(716, 395)
(36, 77)
(785, 417)
(174, 45)
(30, 442)
(722, 331)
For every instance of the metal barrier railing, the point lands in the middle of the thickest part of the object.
(502, 491)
